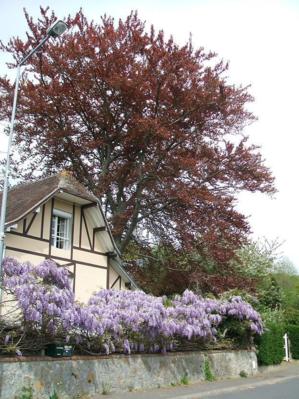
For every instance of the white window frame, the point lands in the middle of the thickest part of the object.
(65, 238)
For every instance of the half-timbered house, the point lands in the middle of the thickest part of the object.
(58, 218)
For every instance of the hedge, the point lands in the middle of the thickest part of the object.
(271, 345)
(293, 333)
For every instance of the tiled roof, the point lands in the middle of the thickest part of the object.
(24, 197)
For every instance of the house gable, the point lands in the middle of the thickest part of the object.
(88, 254)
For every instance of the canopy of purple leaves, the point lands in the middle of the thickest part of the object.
(112, 320)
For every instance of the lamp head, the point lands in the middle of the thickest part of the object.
(57, 29)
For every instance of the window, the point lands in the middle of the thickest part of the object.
(61, 229)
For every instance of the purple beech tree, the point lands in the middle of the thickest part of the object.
(152, 128)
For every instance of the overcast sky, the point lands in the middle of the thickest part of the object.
(260, 40)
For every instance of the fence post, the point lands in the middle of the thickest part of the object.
(286, 347)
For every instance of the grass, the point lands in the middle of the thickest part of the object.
(185, 380)
(106, 388)
(208, 375)
(26, 393)
(243, 374)
(131, 388)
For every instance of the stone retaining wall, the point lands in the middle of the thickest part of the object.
(88, 377)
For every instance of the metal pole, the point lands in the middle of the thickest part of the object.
(35, 49)
(7, 170)
(7, 166)
(52, 32)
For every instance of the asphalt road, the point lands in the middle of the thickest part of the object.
(280, 383)
(288, 389)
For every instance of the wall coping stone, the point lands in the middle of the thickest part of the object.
(43, 358)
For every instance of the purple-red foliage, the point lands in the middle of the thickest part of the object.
(152, 128)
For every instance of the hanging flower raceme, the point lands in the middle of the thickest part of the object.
(43, 294)
(118, 320)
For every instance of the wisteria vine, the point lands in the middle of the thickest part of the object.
(115, 320)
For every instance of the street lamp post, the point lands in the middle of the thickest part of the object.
(54, 31)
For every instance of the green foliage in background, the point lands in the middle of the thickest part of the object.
(289, 285)
(256, 259)
(293, 333)
(270, 345)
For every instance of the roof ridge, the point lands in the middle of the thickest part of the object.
(27, 183)
(24, 196)
(67, 177)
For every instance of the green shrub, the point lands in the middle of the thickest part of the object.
(293, 333)
(184, 380)
(243, 374)
(270, 345)
(236, 330)
(26, 393)
(292, 316)
(208, 375)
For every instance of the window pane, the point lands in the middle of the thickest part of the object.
(60, 232)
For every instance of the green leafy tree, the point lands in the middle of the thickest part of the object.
(284, 266)
(257, 258)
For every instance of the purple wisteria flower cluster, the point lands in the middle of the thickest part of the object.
(43, 294)
(117, 320)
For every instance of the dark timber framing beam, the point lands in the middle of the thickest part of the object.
(86, 228)
(42, 222)
(95, 230)
(108, 276)
(25, 251)
(80, 231)
(102, 228)
(73, 231)
(115, 281)
(50, 232)
(30, 223)
(111, 255)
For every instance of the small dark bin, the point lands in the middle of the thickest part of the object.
(59, 350)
